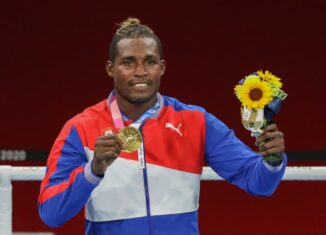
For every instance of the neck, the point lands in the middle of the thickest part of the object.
(132, 110)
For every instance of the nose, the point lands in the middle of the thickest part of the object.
(140, 70)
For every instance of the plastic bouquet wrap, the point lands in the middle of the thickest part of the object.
(261, 97)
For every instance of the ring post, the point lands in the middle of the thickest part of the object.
(5, 201)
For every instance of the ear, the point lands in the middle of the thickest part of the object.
(109, 68)
(163, 67)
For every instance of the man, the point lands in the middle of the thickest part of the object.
(154, 187)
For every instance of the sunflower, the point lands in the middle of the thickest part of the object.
(237, 91)
(274, 82)
(254, 93)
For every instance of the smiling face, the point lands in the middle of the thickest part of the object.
(137, 70)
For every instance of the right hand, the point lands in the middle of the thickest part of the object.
(271, 141)
(107, 149)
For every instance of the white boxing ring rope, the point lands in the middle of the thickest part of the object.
(9, 173)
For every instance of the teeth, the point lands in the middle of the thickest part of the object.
(140, 85)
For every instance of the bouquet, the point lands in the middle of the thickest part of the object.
(261, 97)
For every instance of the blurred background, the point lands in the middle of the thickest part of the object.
(52, 58)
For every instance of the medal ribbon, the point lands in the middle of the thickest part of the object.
(118, 119)
(116, 114)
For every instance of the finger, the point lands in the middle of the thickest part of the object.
(103, 140)
(111, 137)
(276, 143)
(107, 136)
(262, 148)
(274, 150)
(102, 150)
(271, 128)
(119, 141)
(268, 136)
(103, 144)
(107, 155)
(110, 155)
(118, 148)
(109, 158)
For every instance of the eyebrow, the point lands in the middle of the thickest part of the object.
(150, 56)
(129, 58)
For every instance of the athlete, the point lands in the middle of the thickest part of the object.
(134, 160)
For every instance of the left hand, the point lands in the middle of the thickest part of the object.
(274, 141)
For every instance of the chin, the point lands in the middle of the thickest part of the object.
(141, 99)
(137, 98)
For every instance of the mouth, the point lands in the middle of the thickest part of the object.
(140, 84)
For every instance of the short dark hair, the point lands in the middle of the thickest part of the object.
(132, 28)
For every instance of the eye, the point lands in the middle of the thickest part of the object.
(127, 62)
(151, 62)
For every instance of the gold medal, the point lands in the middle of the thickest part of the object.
(131, 139)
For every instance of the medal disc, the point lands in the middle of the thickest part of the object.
(131, 139)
